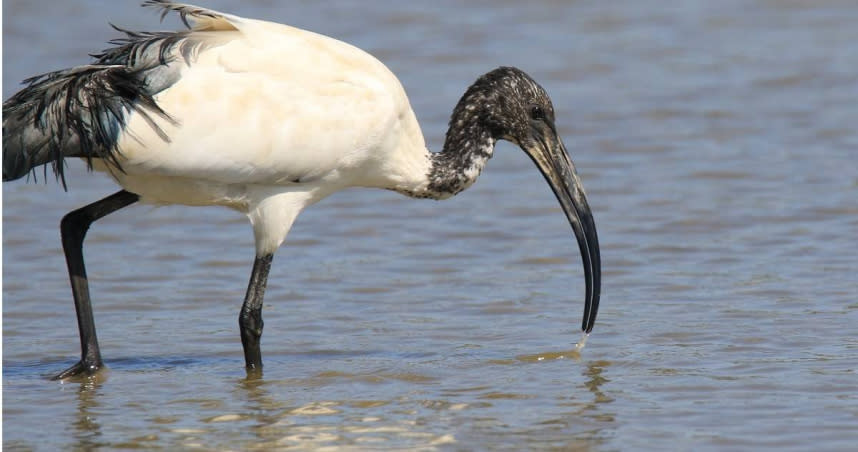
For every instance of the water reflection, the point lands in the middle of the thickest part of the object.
(265, 410)
(87, 429)
(311, 424)
(595, 380)
(266, 414)
(254, 391)
(595, 418)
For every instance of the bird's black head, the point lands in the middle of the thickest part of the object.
(508, 104)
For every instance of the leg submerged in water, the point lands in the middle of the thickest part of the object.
(73, 229)
(250, 318)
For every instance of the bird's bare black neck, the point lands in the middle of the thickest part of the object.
(468, 146)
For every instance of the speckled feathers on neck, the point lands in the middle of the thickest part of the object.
(500, 105)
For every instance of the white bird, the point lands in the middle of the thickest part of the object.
(265, 119)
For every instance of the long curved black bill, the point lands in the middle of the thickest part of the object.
(549, 154)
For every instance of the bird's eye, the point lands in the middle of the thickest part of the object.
(536, 113)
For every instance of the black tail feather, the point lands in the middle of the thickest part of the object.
(80, 112)
(77, 112)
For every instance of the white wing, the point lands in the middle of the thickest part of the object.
(263, 103)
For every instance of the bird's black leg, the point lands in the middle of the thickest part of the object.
(250, 319)
(73, 228)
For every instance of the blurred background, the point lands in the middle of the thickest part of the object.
(718, 146)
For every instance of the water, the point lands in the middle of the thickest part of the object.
(718, 146)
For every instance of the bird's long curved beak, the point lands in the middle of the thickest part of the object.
(549, 154)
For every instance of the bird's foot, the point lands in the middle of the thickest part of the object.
(80, 371)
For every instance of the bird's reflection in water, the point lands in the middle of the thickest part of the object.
(596, 380)
(589, 419)
(255, 390)
(87, 429)
(267, 412)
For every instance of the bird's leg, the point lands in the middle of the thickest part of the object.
(73, 229)
(250, 319)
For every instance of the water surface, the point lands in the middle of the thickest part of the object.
(718, 146)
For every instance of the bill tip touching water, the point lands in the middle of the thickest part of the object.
(215, 115)
(582, 342)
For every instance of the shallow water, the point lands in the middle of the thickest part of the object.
(718, 147)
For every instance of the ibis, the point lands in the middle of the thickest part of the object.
(265, 119)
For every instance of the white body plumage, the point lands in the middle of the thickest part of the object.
(268, 119)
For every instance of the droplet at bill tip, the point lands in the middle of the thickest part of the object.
(580, 345)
